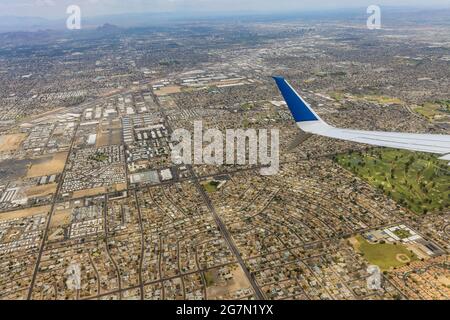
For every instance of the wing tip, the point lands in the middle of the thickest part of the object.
(298, 107)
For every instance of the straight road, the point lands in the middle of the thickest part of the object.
(220, 224)
(47, 227)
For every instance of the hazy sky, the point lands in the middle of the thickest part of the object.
(57, 8)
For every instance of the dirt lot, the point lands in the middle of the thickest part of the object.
(11, 142)
(61, 218)
(109, 133)
(48, 165)
(216, 290)
(168, 90)
(24, 213)
(41, 191)
(110, 137)
(121, 186)
(88, 192)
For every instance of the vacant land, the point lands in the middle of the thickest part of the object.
(435, 111)
(417, 181)
(121, 187)
(24, 213)
(216, 289)
(382, 99)
(11, 142)
(337, 95)
(109, 138)
(168, 90)
(41, 191)
(109, 134)
(61, 218)
(384, 255)
(89, 192)
(48, 165)
(59, 223)
(14, 168)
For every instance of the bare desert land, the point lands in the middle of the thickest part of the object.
(48, 165)
(11, 142)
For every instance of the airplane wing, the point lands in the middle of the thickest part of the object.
(308, 121)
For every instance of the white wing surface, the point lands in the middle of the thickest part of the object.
(308, 121)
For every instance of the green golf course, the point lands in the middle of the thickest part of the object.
(417, 181)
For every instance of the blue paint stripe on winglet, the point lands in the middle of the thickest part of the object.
(299, 109)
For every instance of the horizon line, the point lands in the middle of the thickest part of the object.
(193, 13)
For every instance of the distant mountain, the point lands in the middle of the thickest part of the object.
(107, 27)
(113, 23)
(132, 19)
(107, 23)
(13, 23)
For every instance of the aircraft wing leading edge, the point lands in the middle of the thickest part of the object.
(308, 121)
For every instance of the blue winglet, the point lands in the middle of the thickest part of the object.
(299, 109)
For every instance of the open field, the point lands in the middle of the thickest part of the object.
(168, 90)
(24, 213)
(384, 255)
(61, 218)
(216, 289)
(110, 137)
(210, 186)
(337, 95)
(417, 181)
(109, 134)
(88, 192)
(121, 187)
(437, 111)
(382, 99)
(41, 191)
(11, 142)
(14, 168)
(48, 165)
